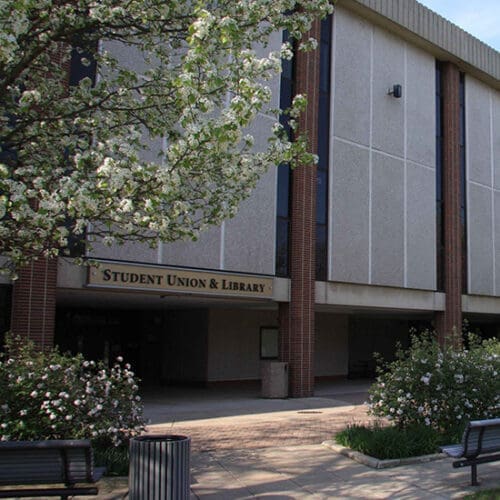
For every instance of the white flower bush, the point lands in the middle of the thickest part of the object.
(439, 387)
(48, 395)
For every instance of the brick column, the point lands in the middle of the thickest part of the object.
(297, 318)
(34, 302)
(34, 292)
(449, 322)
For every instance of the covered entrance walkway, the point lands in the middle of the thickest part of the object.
(223, 418)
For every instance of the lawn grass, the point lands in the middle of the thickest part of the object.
(390, 442)
(485, 495)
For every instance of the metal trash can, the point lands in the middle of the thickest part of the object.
(159, 467)
(274, 377)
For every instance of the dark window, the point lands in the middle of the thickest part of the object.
(82, 65)
(463, 187)
(284, 176)
(5, 310)
(439, 181)
(323, 150)
(282, 246)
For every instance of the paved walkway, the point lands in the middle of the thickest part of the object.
(246, 447)
(236, 419)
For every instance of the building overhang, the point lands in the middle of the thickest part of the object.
(380, 298)
(422, 27)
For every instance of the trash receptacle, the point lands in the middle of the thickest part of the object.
(159, 467)
(274, 376)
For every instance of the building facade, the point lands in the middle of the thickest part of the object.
(397, 226)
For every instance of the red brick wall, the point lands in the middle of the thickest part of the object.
(34, 302)
(297, 318)
(449, 322)
(34, 292)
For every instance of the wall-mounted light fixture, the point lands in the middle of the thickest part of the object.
(396, 91)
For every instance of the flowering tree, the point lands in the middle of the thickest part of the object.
(189, 75)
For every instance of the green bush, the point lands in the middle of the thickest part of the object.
(114, 458)
(49, 395)
(390, 442)
(439, 388)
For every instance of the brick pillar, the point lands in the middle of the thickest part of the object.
(297, 317)
(34, 292)
(449, 322)
(34, 302)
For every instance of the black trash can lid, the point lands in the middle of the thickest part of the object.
(151, 438)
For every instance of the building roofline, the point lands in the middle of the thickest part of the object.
(416, 23)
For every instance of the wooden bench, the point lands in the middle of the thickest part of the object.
(480, 444)
(51, 462)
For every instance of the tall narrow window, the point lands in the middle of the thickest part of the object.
(82, 65)
(5, 311)
(463, 186)
(439, 181)
(284, 176)
(323, 150)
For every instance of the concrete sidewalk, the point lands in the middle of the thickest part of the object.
(245, 447)
(316, 472)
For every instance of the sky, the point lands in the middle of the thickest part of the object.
(480, 18)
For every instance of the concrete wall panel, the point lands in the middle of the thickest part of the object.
(478, 132)
(497, 242)
(274, 43)
(249, 244)
(350, 200)
(138, 252)
(387, 221)
(421, 227)
(127, 55)
(352, 77)
(419, 93)
(378, 182)
(480, 254)
(203, 253)
(496, 137)
(246, 243)
(388, 112)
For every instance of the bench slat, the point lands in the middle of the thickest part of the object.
(49, 443)
(45, 492)
(43, 465)
(48, 462)
(485, 423)
(455, 450)
(481, 438)
(29, 467)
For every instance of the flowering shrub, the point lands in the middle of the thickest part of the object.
(439, 387)
(48, 395)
